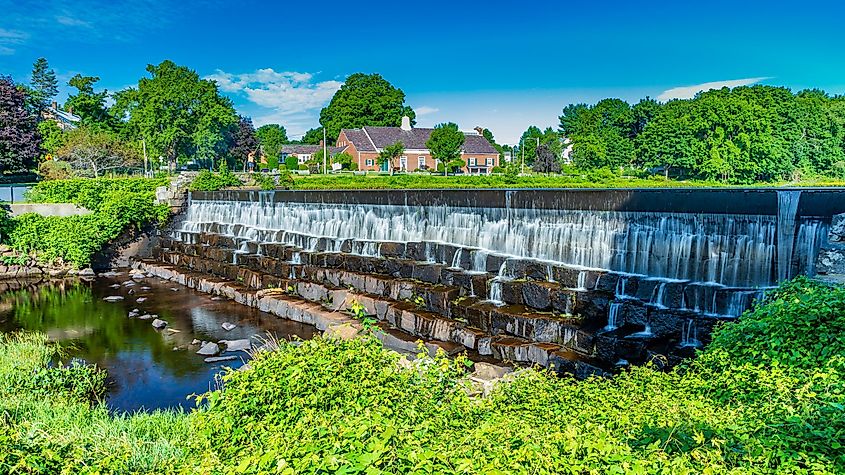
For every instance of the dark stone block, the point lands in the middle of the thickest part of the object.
(528, 269)
(563, 301)
(537, 295)
(633, 312)
(631, 350)
(574, 277)
(607, 282)
(415, 251)
(585, 370)
(562, 362)
(592, 307)
(392, 249)
(667, 322)
(645, 289)
(439, 300)
(427, 273)
(512, 292)
(494, 263)
(605, 348)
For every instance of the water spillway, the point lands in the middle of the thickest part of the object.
(564, 278)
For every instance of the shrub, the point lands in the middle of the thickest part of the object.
(54, 170)
(210, 181)
(291, 162)
(265, 182)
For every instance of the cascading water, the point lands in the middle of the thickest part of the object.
(787, 210)
(620, 287)
(456, 259)
(689, 335)
(613, 316)
(659, 296)
(581, 284)
(496, 285)
(734, 250)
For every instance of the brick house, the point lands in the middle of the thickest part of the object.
(366, 143)
(66, 120)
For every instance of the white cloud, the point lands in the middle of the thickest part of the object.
(9, 39)
(425, 110)
(292, 98)
(688, 92)
(71, 21)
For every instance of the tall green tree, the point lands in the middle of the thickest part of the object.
(365, 100)
(89, 105)
(43, 83)
(390, 154)
(272, 137)
(179, 114)
(445, 144)
(20, 142)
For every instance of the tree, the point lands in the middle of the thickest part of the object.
(43, 83)
(90, 106)
(445, 143)
(391, 153)
(20, 142)
(243, 142)
(92, 152)
(365, 100)
(312, 136)
(179, 114)
(546, 161)
(52, 137)
(291, 162)
(272, 137)
(345, 160)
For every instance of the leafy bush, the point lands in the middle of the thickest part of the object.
(116, 205)
(767, 396)
(291, 162)
(54, 170)
(210, 181)
(265, 182)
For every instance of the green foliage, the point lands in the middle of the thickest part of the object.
(264, 181)
(179, 114)
(272, 137)
(52, 137)
(363, 100)
(445, 143)
(90, 106)
(116, 204)
(43, 83)
(766, 396)
(54, 170)
(95, 151)
(211, 181)
(390, 154)
(291, 162)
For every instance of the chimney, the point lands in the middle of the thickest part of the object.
(406, 123)
(55, 105)
(480, 130)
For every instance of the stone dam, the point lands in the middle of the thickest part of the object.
(583, 281)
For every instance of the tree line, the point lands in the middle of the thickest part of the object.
(740, 135)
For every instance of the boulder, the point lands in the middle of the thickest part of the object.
(141, 299)
(217, 359)
(113, 298)
(228, 326)
(343, 331)
(195, 342)
(147, 316)
(158, 324)
(237, 345)
(489, 372)
(87, 272)
(209, 349)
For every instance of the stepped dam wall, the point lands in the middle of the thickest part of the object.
(566, 278)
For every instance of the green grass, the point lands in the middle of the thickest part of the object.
(767, 396)
(594, 180)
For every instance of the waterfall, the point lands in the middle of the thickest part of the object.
(689, 335)
(456, 259)
(496, 285)
(733, 250)
(550, 274)
(582, 280)
(787, 210)
(295, 258)
(620, 287)
(659, 295)
(613, 316)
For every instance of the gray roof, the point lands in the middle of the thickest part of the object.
(308, 149)
(413, 139)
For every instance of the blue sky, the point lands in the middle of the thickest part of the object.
(501, 65)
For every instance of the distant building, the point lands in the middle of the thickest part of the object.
(303, 153)
(366, 143)
(65, 120)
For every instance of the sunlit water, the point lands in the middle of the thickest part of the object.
(148, 368)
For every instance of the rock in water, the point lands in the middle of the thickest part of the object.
(237, 345)
(87, 272)
(147, 316)
(195, 342)
(217, 359)
(141, 299)
(159, 324)
(209, 349)
(228, 326)
(113, 298)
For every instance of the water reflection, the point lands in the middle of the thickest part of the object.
(147, 368)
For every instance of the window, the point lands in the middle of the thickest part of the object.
(403, 162)
(421, 161)
(490, 162)
(304, 158)
(370, 162)
(472, 161)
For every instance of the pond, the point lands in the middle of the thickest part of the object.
(148, 368)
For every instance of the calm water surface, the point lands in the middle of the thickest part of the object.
(148, 369)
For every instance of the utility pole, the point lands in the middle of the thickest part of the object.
(325, 152)
(144, 146)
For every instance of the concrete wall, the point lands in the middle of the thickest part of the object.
(48, 209)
